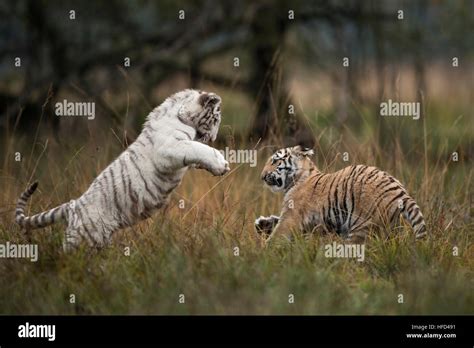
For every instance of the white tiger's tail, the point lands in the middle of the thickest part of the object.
(412, 213)
(39, 220)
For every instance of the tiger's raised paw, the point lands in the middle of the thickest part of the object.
(219, 166)
(264, 225)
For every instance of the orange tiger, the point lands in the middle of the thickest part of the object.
(348, 202)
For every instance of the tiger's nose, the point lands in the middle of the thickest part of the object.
(269, 178)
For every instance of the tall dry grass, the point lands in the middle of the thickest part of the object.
(191, 250)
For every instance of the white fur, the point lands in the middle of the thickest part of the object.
(142, 178)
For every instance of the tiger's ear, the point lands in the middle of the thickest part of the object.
(209, 99)
(303, 151)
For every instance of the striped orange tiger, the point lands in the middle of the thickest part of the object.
(348, 202)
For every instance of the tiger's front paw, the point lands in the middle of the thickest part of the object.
(264, 225)
(219, 166)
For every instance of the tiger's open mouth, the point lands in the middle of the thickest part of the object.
(273, 182)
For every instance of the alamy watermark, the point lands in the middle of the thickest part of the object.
(394, 108)
(28, 330)
(336, 250)
(67, 108)
(240, 156)
(19, 251)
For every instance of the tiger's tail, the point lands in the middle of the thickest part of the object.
(39, 220)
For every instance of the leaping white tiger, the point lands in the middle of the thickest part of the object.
(141, 179)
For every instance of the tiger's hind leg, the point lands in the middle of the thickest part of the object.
(94, 238)
(72, 240)
(76, 231)
(359, 234)
(84, 227)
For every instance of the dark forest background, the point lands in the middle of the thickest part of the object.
(282, 61)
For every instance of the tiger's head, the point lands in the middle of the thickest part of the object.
(286, 166)
(202, 111)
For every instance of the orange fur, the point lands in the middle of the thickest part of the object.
(348, 202)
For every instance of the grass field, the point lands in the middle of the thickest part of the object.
(191, 251)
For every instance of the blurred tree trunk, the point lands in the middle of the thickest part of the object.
(267, 31)
(267, 84)
(343, 95)
(43, 35)
(419, 61)
(380, 66)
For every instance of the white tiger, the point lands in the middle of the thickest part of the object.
(141, 179)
